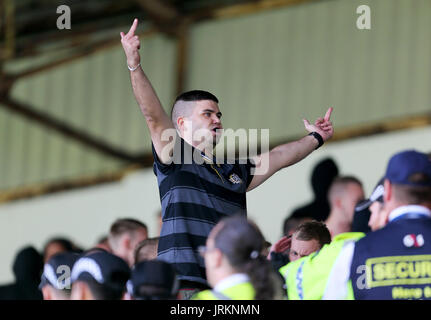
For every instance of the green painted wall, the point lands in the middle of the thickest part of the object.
(269, 70)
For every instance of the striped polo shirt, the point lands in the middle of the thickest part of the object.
(194, 196)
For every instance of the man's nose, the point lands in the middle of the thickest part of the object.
(216, 120)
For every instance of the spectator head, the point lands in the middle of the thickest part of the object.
(99, 275)
(103, 243)
(153, 280)
(27, 266)
(375, 204)
(322, 177)
(309, 237)
(233, 246)
(266, 248)
(345, 192)
(197, 110)
(55, 281)
(407, 181)
(57, 245)
(146, 250)
(123, 237)
(290, 224)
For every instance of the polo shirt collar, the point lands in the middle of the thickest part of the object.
(416, 209)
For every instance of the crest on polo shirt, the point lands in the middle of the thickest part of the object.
(413, 240)
(235, 179)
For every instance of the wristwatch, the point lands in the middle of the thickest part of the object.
(318, 138)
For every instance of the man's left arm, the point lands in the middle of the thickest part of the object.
(290, 153)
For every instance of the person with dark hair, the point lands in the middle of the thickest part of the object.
(345, 192)
(99, 275)
(103, 243)
(324, 173)
(153, 280)
(365, 218)
(197, 188)
(235, 267)
(27, 269)
(123, 237)
(55, 281)
(396, 254)
(290, 224)
(307, 238)
(146, 250)
(57, 245)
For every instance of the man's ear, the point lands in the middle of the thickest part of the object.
(180, 123)
(125, 241)
(218, 257)
(46, 293)
(78, 291)
(338, 202)
(126, 296)
(86, 292)
(387, 195)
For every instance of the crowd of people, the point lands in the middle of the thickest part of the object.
(389, 259)
(339, 246)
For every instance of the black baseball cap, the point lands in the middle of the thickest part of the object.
(103, 267)
(158, 275)
(376, 195)
(57, 270)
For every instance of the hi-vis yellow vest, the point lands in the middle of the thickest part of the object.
(241, 291)
(306, 278)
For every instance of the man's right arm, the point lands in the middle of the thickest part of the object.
(157, 120)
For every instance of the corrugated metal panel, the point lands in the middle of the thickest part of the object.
(273, 68)
(269, 70)
(92, 94)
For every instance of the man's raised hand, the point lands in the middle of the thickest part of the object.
(131, 45)
(323, 126)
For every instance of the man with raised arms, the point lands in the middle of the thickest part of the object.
(197, 191)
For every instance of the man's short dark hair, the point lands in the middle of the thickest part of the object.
(179, 110)
(313, 230)
(196, 95)
(145, 249)
(291, 223)
(126, 225)
(414, 194)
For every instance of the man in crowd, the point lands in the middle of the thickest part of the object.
(55, 281)
(344, 193)
(123, 237)
(307, 238)
(324, 173)
(196, 190)
(146, 250)
(99, 275)
(152, 280)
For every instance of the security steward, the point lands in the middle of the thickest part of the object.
(393, 262)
